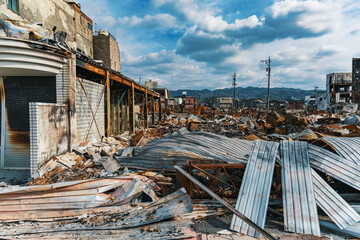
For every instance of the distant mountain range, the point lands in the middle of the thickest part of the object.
(248, 92)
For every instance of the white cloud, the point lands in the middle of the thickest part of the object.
(305, 39)
(158, 21)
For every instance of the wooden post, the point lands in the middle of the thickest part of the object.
(118, 110)
(160, 110)
(146, 110)
(108, 103)
(152, 110)
(72, 103)
(129, 112)
(132, 108)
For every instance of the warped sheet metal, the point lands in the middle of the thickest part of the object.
(255, 187)
(175, 229)
(333, 204)
(307, 134)
(112, 218)
(194, 145)
(300, 213)
(68, 199)
(347, 147)
(334, 165)
(353, 230)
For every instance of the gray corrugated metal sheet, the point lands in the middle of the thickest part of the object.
(300, 213)
(334, 165)
(332, 204)
(196, 145)
(346, 147)
(353, 230)
(254, 194)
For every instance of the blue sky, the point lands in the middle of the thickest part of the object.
(198, 44)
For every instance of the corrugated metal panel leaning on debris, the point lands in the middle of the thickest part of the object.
(347, 147)
(333, 204)
(300, 213)
(334, 165)
(254, 193)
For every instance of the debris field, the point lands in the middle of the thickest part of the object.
(294, 172)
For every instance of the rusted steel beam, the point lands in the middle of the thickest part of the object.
(225, 204)
(146, 110)
(210, 175)
(132, 107)
(118, 78)
(217, 165)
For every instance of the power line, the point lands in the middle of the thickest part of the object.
(261, 82)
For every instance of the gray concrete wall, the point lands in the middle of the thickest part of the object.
(107, 50)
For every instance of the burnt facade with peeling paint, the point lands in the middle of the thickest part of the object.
(54, 95)
(356, 80)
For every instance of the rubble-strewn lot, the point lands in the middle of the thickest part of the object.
(292, 172)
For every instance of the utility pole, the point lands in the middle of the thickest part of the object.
(268, 69)
(140, 79)
(234, 84)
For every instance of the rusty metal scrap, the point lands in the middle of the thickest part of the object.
(227, 205)
(114, 217)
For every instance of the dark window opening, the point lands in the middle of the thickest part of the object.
(13, 5)
(90, 27)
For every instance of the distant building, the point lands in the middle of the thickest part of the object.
(107, 49)
(190, 102)
(151, 84)
(224, 102)
(250, 102)
(296, 104)
(178, 100)
(171, 102)
(322, 101)
(310, 102)
(356, 80)
(339, 87)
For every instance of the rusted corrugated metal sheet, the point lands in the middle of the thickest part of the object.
(333, 204)
(347, 147)
(300, 213)
(334, 165)
(196, 145)
(70, 198)
(112, 218)
(175, 229)
(255, 188)
(307, 134)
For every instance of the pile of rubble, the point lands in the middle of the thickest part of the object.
(282, 167)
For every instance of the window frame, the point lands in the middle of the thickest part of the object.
(90, 26)
(13, 7)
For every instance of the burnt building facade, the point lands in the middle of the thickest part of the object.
(339, 87)
(54, 95)
(356, 80)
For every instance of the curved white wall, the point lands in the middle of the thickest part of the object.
(17, 58)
